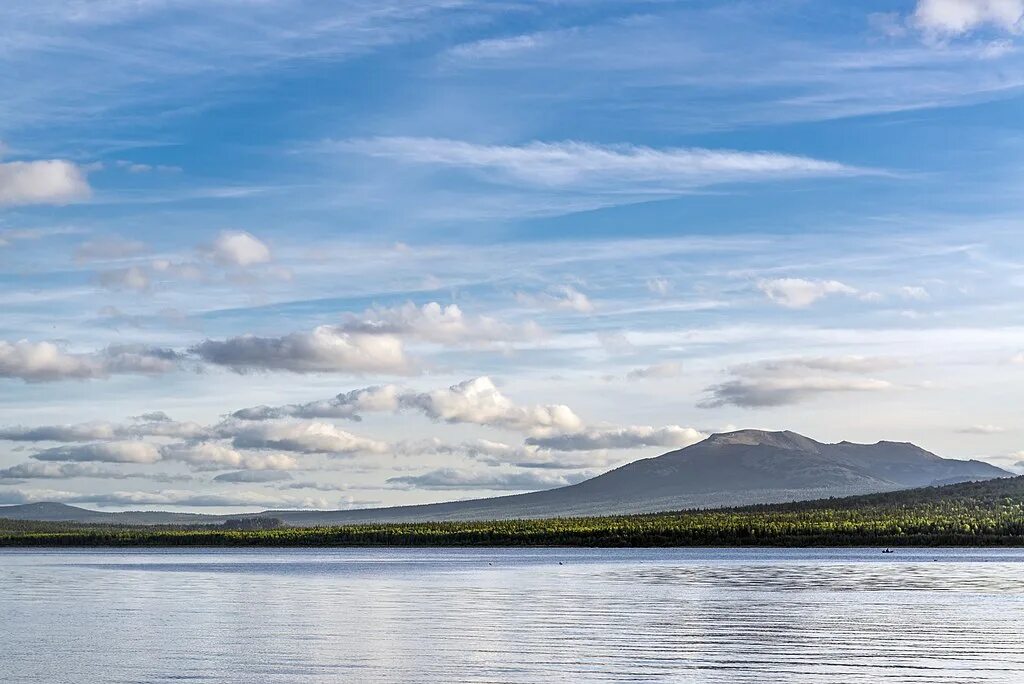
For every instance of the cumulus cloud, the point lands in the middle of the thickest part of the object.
(957, 17)
(366, 343)
(630, 437)
(495, 480)
(82, 432)
(477, 401)
(238, 249)
(434, 322)
(787, 381)
(47, 362)
(659, 371)
(326, 349)
(51, 181)
(798, 293)
(59, 470)
(480, 402)
(304, 437)
(347, 405)
(216, 456)
(584, 165)
(106, 452)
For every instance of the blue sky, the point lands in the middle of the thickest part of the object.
(460, 249)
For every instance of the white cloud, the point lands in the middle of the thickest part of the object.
(660, 371)
(370, 342)
(48, 362)
(983, 429)
(324, 350)
(915, 293)
(798, 293)
(578, 164)
(51, 470)
(347, 405)
(631, 437)
(131, 278)
(303, 437)
(956, 17)
(434, 322)
(103, 249)
(52, 181)
(564, 297)
(478, 401)
(82, 432)
(498, 48)
(238, 248)
(659, 286)
(215, 456)
(787, 381)
(107, 452)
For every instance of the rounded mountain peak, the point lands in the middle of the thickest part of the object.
(784, 439)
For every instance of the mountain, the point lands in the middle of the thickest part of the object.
(729, 469)
(58, 512)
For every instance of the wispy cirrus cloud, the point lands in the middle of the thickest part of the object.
(589, 166)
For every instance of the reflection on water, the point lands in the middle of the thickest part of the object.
(552, 615)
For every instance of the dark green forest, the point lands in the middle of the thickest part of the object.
(987, 513)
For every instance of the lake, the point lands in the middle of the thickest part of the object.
(511, 615)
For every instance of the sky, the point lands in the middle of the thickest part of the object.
(291, 254)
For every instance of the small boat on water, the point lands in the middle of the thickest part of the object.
(887, 551)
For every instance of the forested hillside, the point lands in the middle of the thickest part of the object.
(987, 513)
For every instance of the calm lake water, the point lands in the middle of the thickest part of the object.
(552, 615)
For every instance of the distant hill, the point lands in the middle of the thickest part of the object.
(729, 469)
(58, 512)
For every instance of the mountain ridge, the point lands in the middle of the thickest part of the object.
(741, 467)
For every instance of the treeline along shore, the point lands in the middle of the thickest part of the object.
(989, 513)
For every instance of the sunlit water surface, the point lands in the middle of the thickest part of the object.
(517, 615)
